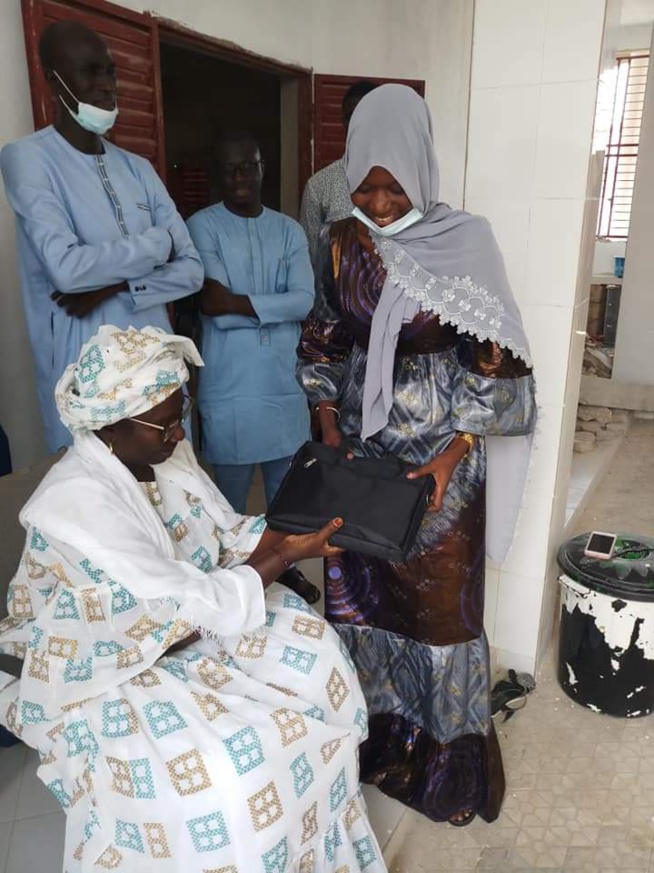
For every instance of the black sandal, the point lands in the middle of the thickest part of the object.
(510, 695)
(463, 822)
(7, 739)
(298, 583)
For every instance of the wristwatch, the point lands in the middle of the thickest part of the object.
(467, 438)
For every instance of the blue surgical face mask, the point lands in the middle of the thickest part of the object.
(412, 216)
(90, 117)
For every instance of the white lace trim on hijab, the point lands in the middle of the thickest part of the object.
(457, 300)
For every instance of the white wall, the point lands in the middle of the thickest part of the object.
(419, 39)
(633, 37)
(19, 414)
(635, 339)
(423, 39)
(604, 254)
(432, 41)
(534, 84)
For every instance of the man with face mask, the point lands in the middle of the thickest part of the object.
(259, 287)
(326, 198)
(99, 239)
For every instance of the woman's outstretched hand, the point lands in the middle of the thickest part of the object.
(441, 468)
(332, 437)
(331, 433)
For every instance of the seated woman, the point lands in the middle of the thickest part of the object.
(191, 715)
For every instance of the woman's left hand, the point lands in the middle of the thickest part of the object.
(441, 468)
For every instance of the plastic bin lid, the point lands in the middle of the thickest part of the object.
(629, 574)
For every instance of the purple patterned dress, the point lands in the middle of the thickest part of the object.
(415, 630)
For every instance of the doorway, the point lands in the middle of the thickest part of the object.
(202, 97)
(208, 86)
(614, 214)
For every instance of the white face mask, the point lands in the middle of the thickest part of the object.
(90, 117)
(412, 216)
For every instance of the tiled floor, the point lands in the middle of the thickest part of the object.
(31, 821)
(580, 797)
(580, 786)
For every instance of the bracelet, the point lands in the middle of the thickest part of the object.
(331, 409)
(467, 438)
(288, 564)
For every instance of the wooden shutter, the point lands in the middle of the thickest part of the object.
(190, 187)
(134, 42)
(328, 93)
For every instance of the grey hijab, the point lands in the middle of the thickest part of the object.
(447, 263)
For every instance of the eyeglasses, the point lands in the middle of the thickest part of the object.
(168, 430)
(246, 168)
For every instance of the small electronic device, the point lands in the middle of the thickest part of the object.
(600, 545)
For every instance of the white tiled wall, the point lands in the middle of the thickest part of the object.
(533, 91)
(565, 124)
(557, 224)
(509, 38)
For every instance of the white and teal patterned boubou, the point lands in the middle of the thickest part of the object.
(237, 754)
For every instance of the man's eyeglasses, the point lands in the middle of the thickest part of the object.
(168, 430)
(245, 168)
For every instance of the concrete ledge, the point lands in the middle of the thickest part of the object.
(596, 391)
(586, 473)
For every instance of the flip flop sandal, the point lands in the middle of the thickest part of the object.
(510, 695)
(6, 739)
(462, 822)
(310, 593)
(298, 582)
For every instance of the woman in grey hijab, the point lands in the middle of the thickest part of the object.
(415, 347)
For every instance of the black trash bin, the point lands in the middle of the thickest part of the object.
(606, 646)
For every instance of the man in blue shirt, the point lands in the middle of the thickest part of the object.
(99, 239)
(259, 287)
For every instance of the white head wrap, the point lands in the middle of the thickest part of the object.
(122, 373)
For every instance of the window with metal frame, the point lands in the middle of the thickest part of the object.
(622, 147)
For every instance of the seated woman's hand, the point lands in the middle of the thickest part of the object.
(297, 547)
(441, 468)
(182, 644)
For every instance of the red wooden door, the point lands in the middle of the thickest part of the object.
(328, 93)
(134, 42)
